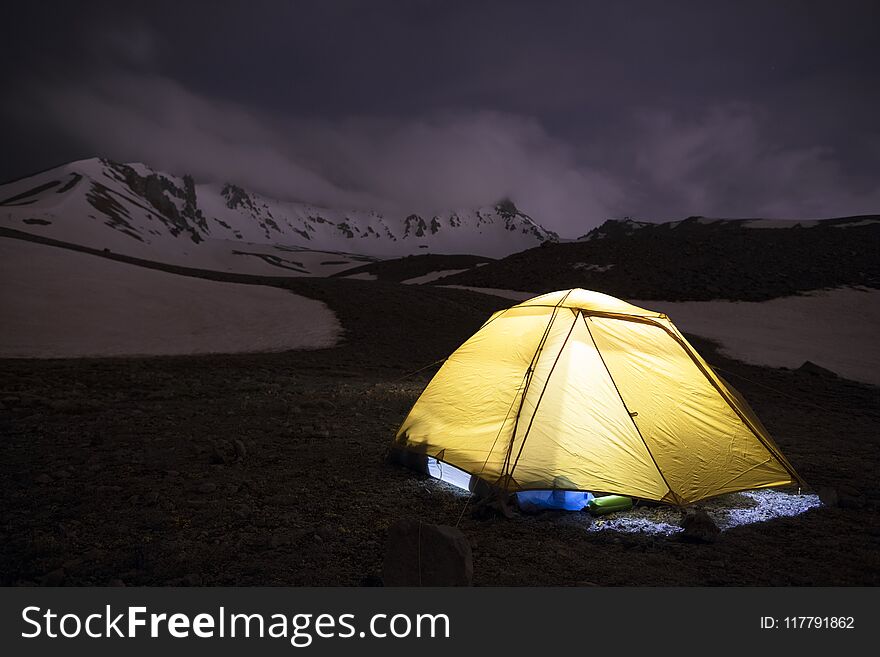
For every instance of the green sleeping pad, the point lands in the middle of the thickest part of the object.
(599, 506)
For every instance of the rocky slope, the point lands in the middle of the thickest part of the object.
(696, 259)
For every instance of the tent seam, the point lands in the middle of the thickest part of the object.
(529, 373)
(541, 396)
(651, 321)
(629, 414)
(742, 417)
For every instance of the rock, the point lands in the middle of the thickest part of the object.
(828, 496)
(55, 578)
(698, 527)
(240, 449)
(116, 582)
(849, 497)
(423, 554)
(282, 538)
(95, 554)
(326, 532)
(71, 564)
(217, 457)
(206, 487)
(492, 506)
(72, 406)
(43, 479)
(191, 579)
(811, 368)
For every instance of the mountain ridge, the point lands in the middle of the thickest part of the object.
(150, 206)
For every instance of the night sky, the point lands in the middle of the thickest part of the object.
(578, 111)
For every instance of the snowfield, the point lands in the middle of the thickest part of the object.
(836, 329)
(515, 295)
(57, 303)
(432, 276)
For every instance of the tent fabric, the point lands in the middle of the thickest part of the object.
(576, 390)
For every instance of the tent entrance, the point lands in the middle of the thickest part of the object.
(529, 501)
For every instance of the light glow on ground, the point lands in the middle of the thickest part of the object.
(728, 511)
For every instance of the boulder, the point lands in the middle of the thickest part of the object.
(55, 578)
(422, 554)
(217, 457)
(698, 527)
(811, 368)
(849, 497)
(828, 496)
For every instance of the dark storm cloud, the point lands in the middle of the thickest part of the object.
(578, 111)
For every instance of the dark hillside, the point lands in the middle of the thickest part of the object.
(695, 261)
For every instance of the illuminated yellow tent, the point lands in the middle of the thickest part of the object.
(577, 390)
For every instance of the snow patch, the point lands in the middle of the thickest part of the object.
(362, 276)
(586, 266)
(856, 224)
(57, 303)
(516, 295)
(836, 329)
(432, 276)
(780, 223)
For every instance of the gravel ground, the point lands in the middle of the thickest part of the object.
(268, 469)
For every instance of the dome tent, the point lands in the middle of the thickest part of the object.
(577, 390)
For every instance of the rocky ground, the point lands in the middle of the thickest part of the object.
(269, 468)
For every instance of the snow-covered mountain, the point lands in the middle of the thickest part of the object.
(134, 210)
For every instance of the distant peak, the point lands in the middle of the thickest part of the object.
(507, 208)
